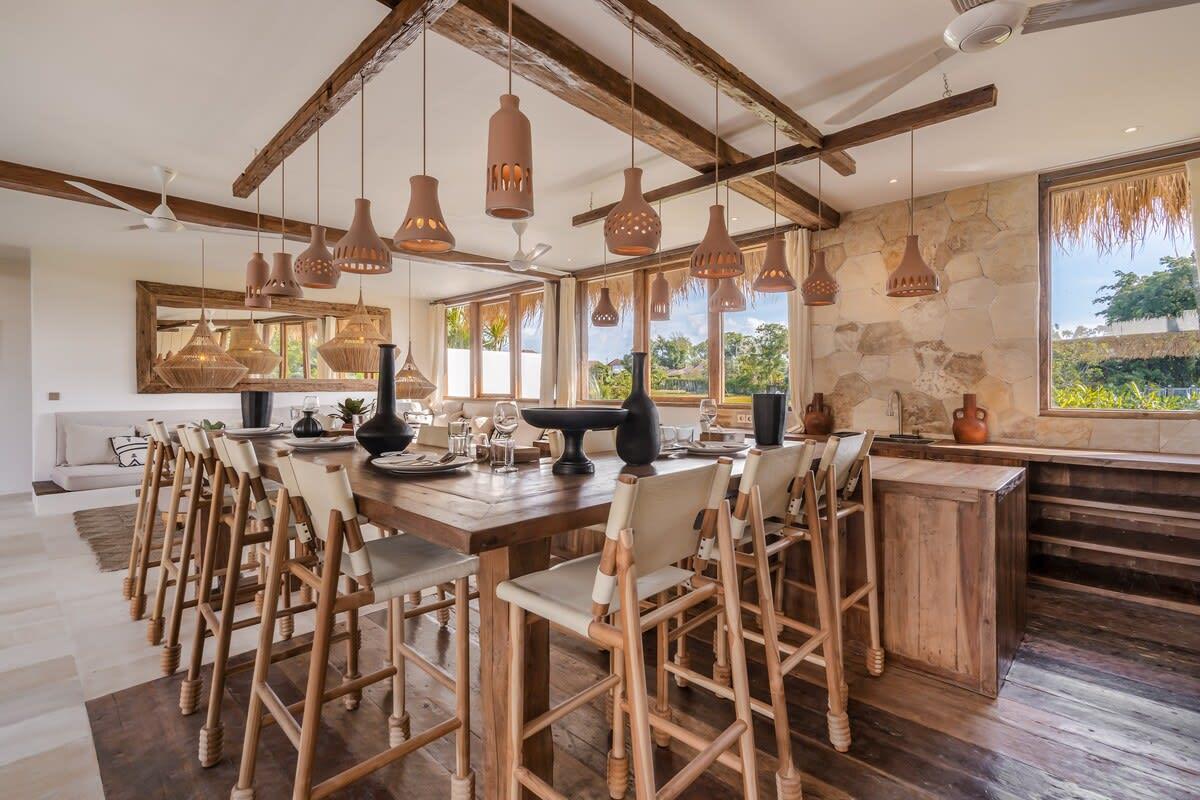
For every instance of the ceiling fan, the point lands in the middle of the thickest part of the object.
(162, 219)
(522, 261)
(984, 24)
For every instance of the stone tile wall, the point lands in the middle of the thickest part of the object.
(979, 334)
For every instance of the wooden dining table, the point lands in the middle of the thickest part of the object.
(507, 519)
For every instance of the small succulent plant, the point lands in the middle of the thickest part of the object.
(351, 406)
(211, 425)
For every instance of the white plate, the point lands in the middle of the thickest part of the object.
(716, 448)
(320, 442)
(411, 464)
(251, 433)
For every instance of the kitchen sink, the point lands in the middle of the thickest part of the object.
(908, 438)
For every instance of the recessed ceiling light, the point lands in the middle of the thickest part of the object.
(735, 219)
(894, 180)
(1133, 129)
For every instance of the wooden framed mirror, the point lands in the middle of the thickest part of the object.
(293, 328)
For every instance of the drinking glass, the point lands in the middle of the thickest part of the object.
(482, 447)
(505, 417)
(504, 453)
(460, 437)
(311, 403)
(668, 436)
(708, 413)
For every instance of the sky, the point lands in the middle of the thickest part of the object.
(1078, 275)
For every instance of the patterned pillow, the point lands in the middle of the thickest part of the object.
(130, 450)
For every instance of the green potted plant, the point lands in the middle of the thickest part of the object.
(352, 406)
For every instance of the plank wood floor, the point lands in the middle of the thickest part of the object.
(1103, 701)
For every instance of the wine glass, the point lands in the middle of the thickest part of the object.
(505, 418)
(708, 413)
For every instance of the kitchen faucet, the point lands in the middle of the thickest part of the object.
(895, 408)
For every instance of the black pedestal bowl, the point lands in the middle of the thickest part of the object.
(574, 423)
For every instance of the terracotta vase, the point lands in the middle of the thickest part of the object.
(818, 417)
(970, 422)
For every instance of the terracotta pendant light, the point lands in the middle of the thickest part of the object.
(819, 288)
(282, 282)
(605, 315)
(510, 154)
(360, 250)
(913, 278)
(632, 228)
(355, 348)
(201, 365)
(774, 275)
(728, 297)
(257, 268)
(424, 228)
(314, 267)
(247, 348)
(411, 384)
(660, 290)
(717, 256)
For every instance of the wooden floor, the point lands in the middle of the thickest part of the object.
(1103, 701)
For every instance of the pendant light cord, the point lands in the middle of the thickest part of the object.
(912, 180)
(775, 174)
(318, 174)
(820, 206)
(202, 281)
(257, 213)
(362, 136)
(283, 205)
(424, 61)
(717, 139)
(632, 72)
(408, 321)
(510, 46)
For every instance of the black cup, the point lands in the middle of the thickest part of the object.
(770, 412)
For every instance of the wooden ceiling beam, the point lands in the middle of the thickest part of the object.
(548, 59)
(398, 29)
(657, 27)
(48, 183)
(948, 108)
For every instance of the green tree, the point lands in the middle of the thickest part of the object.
(675, 352)
(756, 362)
(495, 333)
(458, 328)
(1167, 292)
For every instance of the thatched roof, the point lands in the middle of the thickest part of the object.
(683, 285)
(1123, 210)
(1093, 349)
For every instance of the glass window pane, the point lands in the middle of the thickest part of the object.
(755, 346)
(294, 336)
(458, 351)
(495, 363)
(1123, 318)
(609, 350)
(531, 344)
(679, 346)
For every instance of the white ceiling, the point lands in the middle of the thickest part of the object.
(197, 86)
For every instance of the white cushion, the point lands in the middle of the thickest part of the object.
(404, 564)
(130, 450)
(94, 476)
(90, 444)
(563, 593)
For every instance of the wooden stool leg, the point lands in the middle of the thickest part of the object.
(287, 622)
(139, 521)
(212, 734)
(836, 718)
(516, 697)
(137, 600)
(244, 789)
(836, 585)
(398, 722)
(682, 659)
(462, 782)
(442, 615)
(635, 672)
(414, 599)
(187, 548)
(720, 672)
(353, 643)
(618, 762)
(189, 690)
(154, 628)
(875, 649)
(662, 698)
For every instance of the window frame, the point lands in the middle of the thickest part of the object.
(1047, 183)
(515, 333)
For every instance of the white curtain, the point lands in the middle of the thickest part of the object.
(568, 354)
(438, 347)
(797, 245)
(326, 330)
(549, 376)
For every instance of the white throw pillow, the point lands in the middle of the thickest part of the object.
(130, 450)
(89, 444)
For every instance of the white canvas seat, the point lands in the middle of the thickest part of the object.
(404, 564)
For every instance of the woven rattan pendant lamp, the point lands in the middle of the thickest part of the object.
(201, 365)
(314, 267)
(411, 384)
(282, 282)
(360, 250)
(247, 348)
(257, 269)
(819, 288)
(717, 256)
(509, 155)
(605, 314)
(424, 228)
(632, 228)
(913, 278)
(355, 348)
(774, 275)
(660, 290)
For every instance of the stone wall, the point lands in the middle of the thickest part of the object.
(979, 334)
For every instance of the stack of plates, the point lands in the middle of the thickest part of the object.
(419, 463)
(320, 442)
(253, 433)
(716, 448)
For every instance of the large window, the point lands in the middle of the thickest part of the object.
(755, 347)
(607, 352)
(1121, 326)
(494, 347)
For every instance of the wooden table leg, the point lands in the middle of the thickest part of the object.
(496, 566)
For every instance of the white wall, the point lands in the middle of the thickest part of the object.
(83, 337)
(15, 370)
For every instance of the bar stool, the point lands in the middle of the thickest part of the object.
(180, 509)
(389, 568)
(159, 455)
(652, 526)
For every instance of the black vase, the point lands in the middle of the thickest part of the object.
(256, 409)
(638, 437)
(308, 426)
(385, 432)
(770, 411)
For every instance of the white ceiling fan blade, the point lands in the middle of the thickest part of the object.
(963, 6)
(537, 252)
(558, 273)
(108, 198)
(1063, 14)
(892, 85)
(199, 228)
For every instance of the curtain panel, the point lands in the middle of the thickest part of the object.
(438, 355)
(797, 247)
(549, 376)
(568, 351)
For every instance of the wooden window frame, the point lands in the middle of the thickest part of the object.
(475, 380)
(1047, 183)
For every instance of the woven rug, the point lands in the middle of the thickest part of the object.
(109, 532)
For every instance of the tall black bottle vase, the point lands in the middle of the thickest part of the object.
(256, 408)
(638, 437)
(385, 432)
